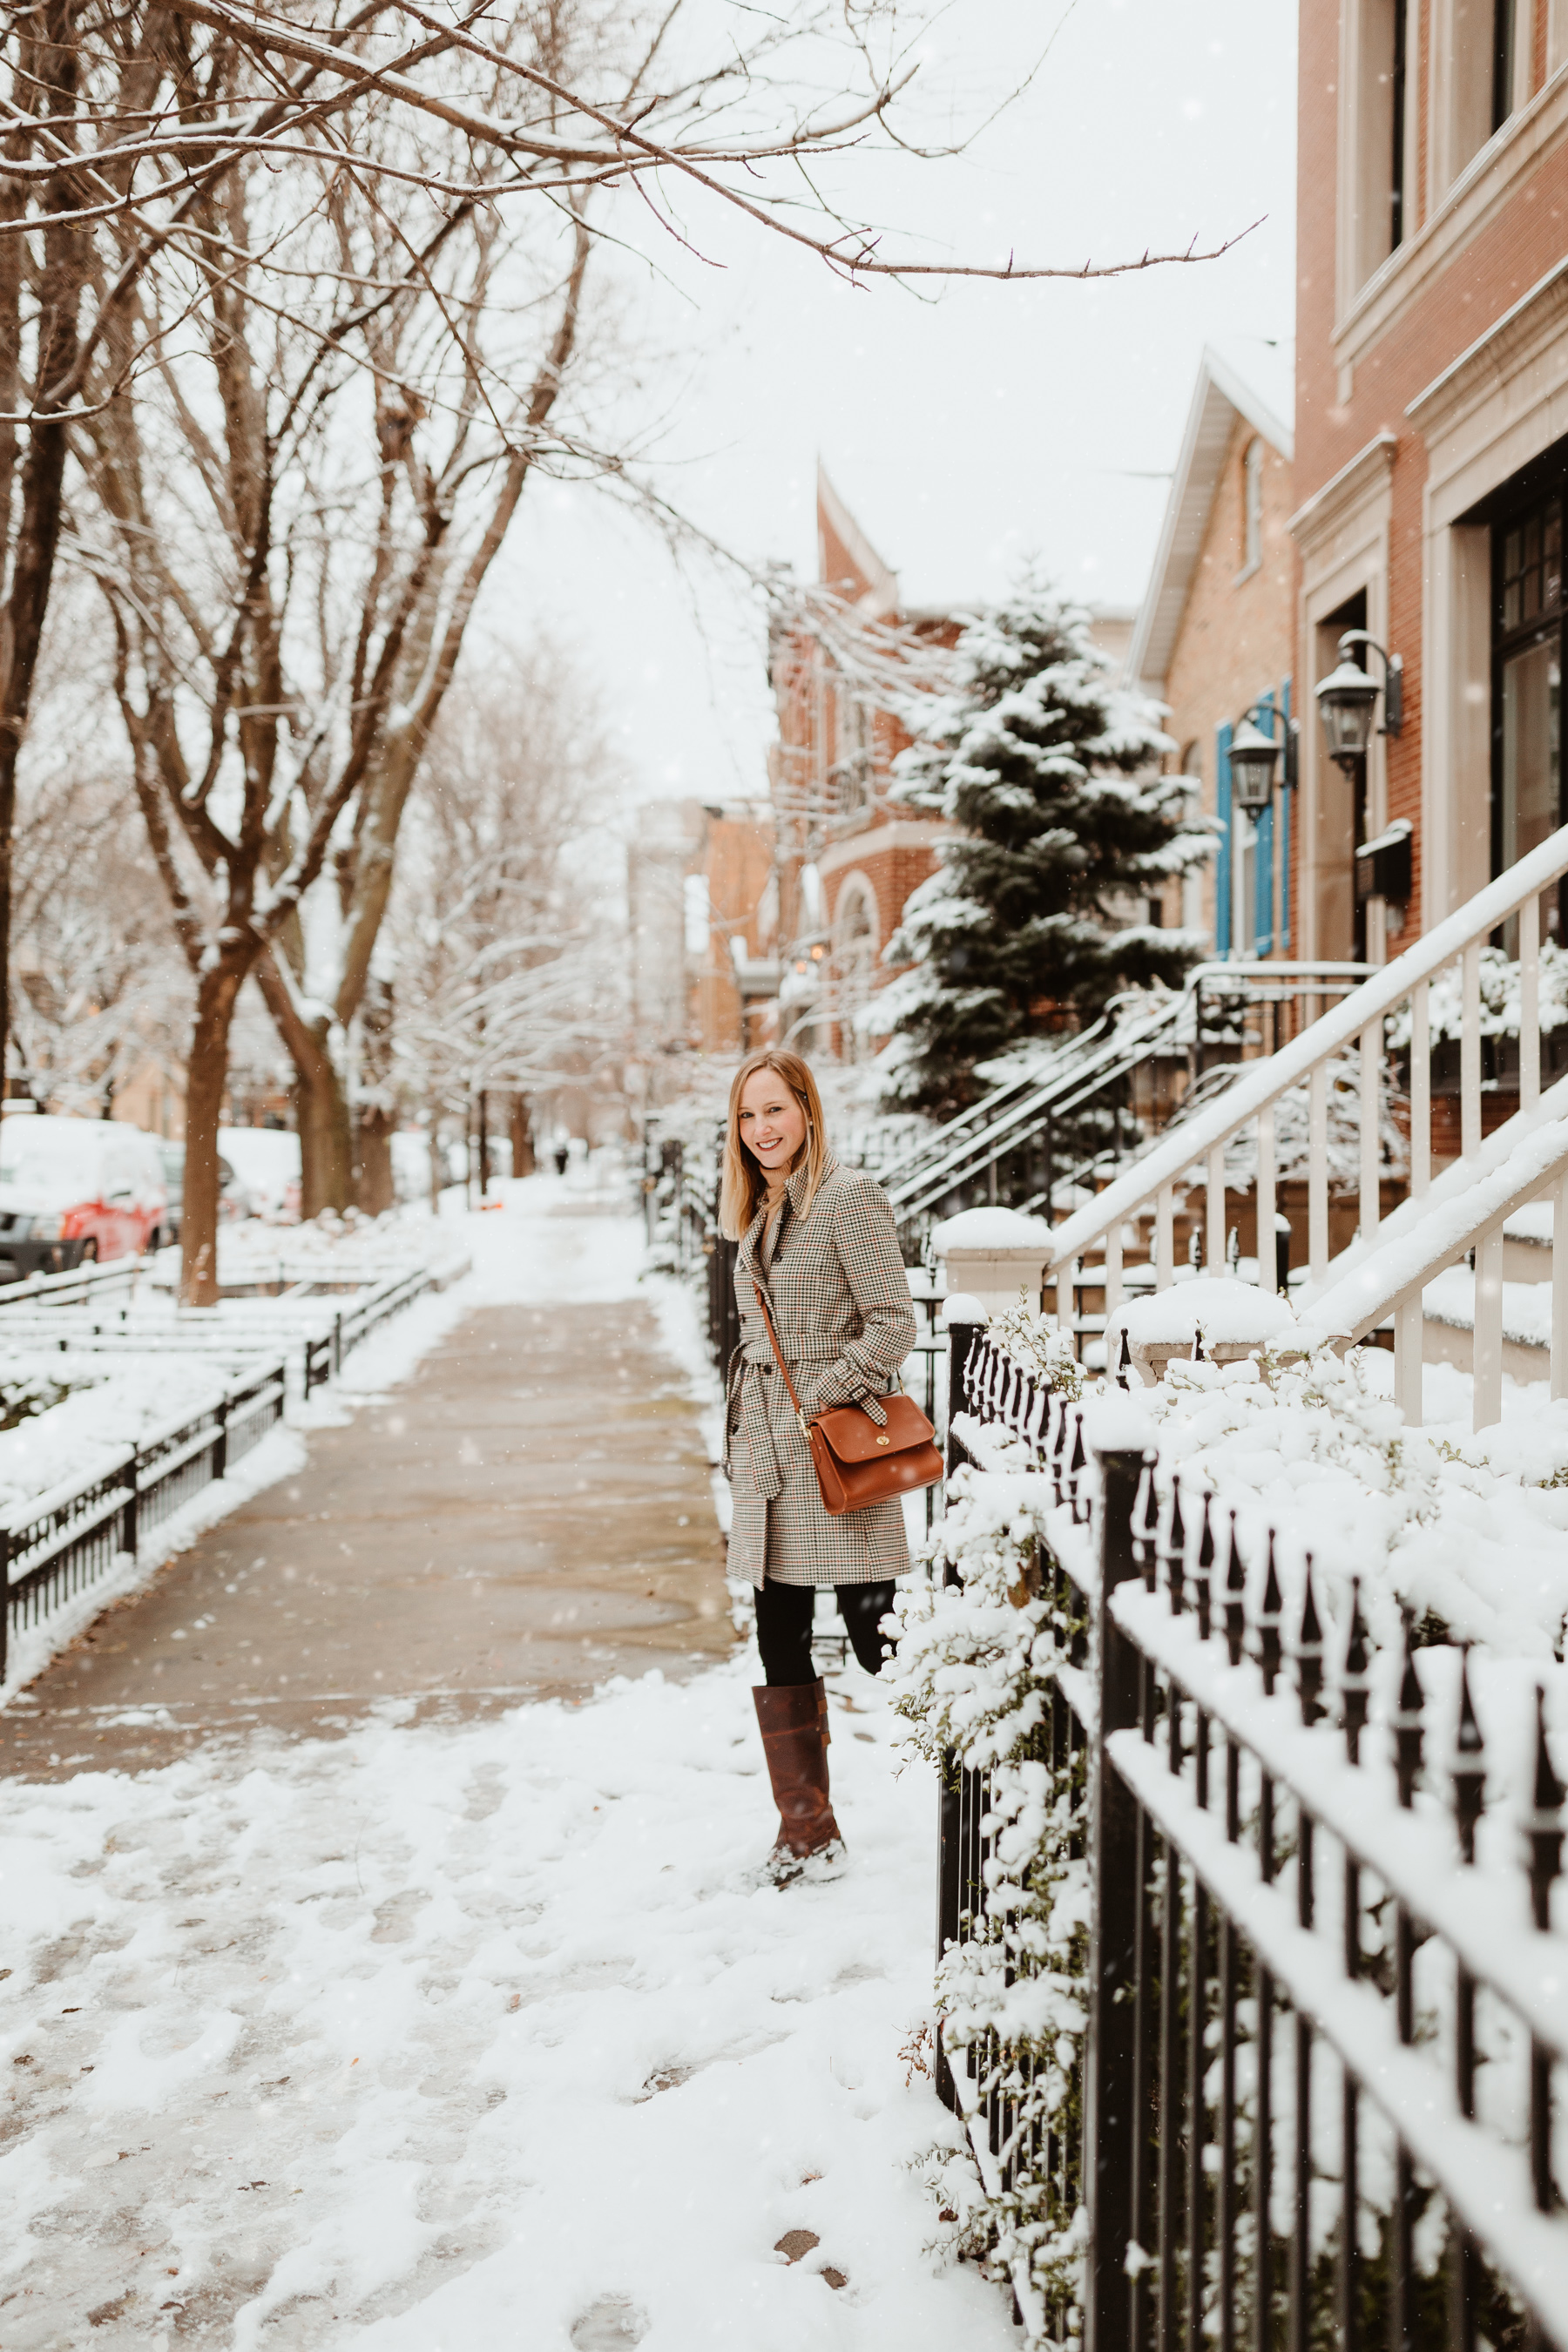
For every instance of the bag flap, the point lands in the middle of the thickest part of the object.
(854, 1437)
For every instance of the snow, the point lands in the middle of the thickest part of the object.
(266, 1162)
(1116, 1424)
(985, 1230)
(1226, 1311)
(496, 2021)
(1526, 1306)
(1531, 1223)
(279, 1455)
(1435, 1229)
(328, 1249)
(115, 1402)
(962, 1307)
(492, 2025)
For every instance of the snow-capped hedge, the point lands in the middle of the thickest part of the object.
(975, 1665)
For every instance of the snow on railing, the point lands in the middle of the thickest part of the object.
(1292, 2051)
(1150, 1186)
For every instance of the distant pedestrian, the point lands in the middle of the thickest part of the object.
(821, 1241)
(562, 1158)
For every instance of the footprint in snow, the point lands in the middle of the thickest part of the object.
(609, 2326)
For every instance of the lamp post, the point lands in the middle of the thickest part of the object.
(1254, 756)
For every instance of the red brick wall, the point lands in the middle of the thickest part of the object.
(1499, 264)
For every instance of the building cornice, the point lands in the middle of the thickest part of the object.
(1365, 477)
(1505, 349)
(904, 833)
(1483, 188)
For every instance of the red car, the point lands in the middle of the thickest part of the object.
(74, 1188)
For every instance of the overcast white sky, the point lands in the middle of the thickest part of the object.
(966, 429)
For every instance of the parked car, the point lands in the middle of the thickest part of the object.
(74, 1188)
(233, 1200)
(266, 1164)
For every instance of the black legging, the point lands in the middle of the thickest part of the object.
(783, 1627)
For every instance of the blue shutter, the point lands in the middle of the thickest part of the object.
(1221, 864)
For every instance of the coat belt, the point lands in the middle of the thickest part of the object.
(752, 1359)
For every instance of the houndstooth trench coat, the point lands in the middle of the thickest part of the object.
(840, 1302)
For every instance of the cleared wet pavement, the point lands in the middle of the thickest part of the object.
(528, 1513)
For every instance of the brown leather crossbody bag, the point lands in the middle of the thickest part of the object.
(857, 1464)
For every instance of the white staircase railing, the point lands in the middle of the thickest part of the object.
(1454, 1220)
(1148, 1187)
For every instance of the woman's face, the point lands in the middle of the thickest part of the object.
(772, 1121)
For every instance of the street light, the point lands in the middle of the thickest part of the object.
(1347, 696)
(1253, 754)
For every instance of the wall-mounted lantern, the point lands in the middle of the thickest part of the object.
(1254, 755)
(1348, 696)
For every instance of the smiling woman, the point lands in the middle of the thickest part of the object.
(818, 1261)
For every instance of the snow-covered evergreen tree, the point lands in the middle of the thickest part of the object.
(1048, 768)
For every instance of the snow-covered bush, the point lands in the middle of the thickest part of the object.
(977, 1661)
(1499, 997)
(1037, 1342)
(1292, 1137)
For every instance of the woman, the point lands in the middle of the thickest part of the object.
(820, 1241)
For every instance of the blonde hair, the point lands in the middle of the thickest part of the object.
(743, 1183)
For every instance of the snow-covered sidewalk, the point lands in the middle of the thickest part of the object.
(455, 2038)
(432, 2040)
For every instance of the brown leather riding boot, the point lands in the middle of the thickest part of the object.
(792, 1721)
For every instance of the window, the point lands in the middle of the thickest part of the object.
(698, 915)
(1252, 505)
(1399, 161)
(1505, 37)
(1527, 676)
(849, 781)
(854, 957)
(1377, 194)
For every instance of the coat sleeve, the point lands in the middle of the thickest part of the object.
(865, 1238)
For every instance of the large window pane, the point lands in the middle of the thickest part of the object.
(1531, 693)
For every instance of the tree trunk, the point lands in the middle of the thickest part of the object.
(521, 1138)
(326, 1139)
(437, 1164)
(320, 1109)
(54, 63)
(205, 1078)
(375, 1190)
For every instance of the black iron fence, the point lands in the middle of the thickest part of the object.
(57, 1545)
(1315, 2101)
(314, 1355)
(61, 1543)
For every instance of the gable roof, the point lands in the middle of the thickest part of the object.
(1221, 395)
(867, 581)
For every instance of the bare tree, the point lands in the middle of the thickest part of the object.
(501, 958)
(165, 165)
(290, 546)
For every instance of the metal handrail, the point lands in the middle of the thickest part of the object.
(1356, 1021)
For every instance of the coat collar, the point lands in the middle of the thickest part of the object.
(795, 1192)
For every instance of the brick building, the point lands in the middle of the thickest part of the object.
(703, 907)
(847, 859)
(1432, 436)
(1216, 631)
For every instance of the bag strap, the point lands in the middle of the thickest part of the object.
(778, 1357)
